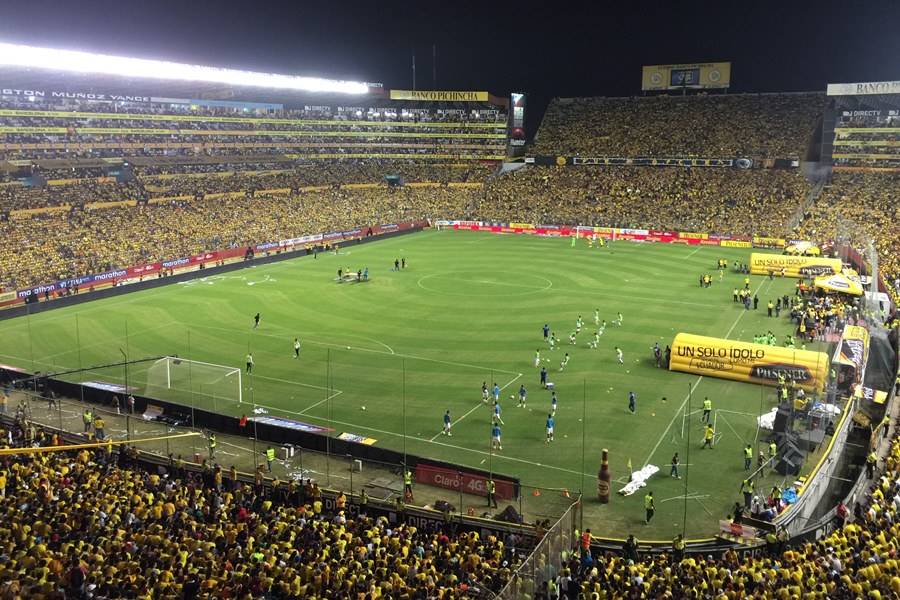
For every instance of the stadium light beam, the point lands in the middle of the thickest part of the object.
(86, 62)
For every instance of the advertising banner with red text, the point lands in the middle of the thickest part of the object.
(471, 483)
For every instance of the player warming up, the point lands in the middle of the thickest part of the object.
(564, 362)
(296, 347)
(537, 358)
(447, 424)
(497, 418)
(522, 395)
(550, 424)
(484, 392)
(596, 316)
(553, 403)
(619, 356)
(256, 321)
(618, 320)
(495, 437)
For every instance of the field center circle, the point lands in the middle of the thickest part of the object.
(478, 284)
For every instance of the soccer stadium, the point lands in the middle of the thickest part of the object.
(277, 336)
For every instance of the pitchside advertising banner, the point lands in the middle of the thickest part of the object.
(469, 482)
(743, 361)
(794, 266)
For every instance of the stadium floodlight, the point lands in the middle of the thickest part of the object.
(87, 62)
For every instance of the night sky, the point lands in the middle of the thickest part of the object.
(548, 49)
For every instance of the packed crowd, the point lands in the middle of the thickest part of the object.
(98, 526)
(857, 560)
(78, 187)
(709, 126)
(90, 134)
(728, 201)
(859, 208)
(52, 246)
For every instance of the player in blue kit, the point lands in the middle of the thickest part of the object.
(522, 394)
(550, 423)
(497, 417)
(496, 393)
(447, 424)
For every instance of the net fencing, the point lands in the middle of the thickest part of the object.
(547, 559)
(194, 383)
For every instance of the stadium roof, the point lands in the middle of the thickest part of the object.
(33, 68)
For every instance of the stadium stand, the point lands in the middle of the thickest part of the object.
(728, 201)
(96, 239)
(732, 125)
(861, 206)
(102, 526)
(99, 526)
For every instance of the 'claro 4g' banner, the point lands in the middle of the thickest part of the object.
(743, 361)
(794, 266)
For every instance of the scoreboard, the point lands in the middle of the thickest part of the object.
(862, 126)
(694, 76)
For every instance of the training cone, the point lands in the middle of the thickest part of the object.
(565, 493)
(536, 493)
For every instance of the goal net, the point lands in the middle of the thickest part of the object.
(194, 383)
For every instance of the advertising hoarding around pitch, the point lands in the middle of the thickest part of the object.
(794, 266)
(744, 361)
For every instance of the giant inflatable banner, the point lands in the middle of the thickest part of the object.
(744, 361)
(794, 266)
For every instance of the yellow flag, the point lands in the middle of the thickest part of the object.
(629, 465)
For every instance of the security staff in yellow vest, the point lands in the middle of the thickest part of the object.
(748, 457)
(407, 481)
(491, 493)
(270, 457)
(212, 445)
(773, 451)
(871, 461)
(649, 507)
(776, 495)
(747, 490)
(707, 410)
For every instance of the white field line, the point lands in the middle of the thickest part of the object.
(322, 401)
(693, 387)
(391, 353)
(309, 385)
(496, 455)
(480, 403)
(685, 497)
(733, 430)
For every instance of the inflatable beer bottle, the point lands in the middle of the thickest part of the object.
(603, 479)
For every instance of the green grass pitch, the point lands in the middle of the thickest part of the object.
(468, 309)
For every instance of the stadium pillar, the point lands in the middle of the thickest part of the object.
(583, 432)
(350, 463)
(403, 400)
(687, 464)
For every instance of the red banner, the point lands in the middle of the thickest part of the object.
(471, 483)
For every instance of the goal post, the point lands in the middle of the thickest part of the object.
(195, 383)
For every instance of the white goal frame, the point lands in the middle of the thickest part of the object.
(228, 372)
